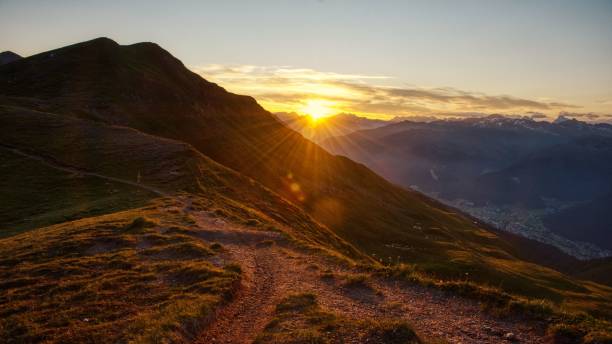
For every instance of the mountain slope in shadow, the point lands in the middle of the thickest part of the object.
(8, 57)
(71, 168)
(143, 87)
(492, 164)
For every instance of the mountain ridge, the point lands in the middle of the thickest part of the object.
(485, 165)
(323, 182)
(247, 166)
(8, 57)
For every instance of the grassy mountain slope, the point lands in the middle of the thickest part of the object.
(154, 166)
(35, 195)
(132, 276)
(143, 87)
(597, 270)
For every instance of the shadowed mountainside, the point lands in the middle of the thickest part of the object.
(143, 87)
(73, 168)
(594, 218)
(8, 56)
(487, 165)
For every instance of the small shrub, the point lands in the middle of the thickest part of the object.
(392, 332)
(312, 267)
(189, 219)
(265, 243)
(297, 302)
(328, 274)
(220, 213)
(564, 333)
(216, 246)
(357, 281)
(272, 228)
(233, 267)
(534, 308)
(183, 251)
(307, 336)
(252, 222)
(140, 223)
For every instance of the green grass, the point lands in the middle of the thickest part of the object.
(299, 319)
(115, 278)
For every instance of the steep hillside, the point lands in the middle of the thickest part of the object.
(143, 87)
(511, 172)
(596, 270)
(73, 168)
(593, 218)
(452, 158)
(576, 171)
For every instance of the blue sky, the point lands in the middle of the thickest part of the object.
(552, 52)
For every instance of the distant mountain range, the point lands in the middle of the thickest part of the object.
(487, 165)
(336, 125)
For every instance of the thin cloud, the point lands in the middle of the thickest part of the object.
(588, 116)
(284, 88)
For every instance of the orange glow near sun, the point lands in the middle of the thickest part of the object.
(317, 109)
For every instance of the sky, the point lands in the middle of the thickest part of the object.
(374, 58)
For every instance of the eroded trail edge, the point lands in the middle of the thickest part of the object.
(273, 268)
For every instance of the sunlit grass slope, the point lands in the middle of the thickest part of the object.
(300, 319)
(42, 194)
(143, 87)
(129, 276)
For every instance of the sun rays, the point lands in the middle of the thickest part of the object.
(322, 94)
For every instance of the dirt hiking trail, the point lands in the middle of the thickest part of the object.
(273, 268)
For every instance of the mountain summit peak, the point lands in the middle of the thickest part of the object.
(8, 57)
(561, 119)
(100, 41)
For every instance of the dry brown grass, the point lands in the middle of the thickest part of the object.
(112, 278)
(564, 322)
(299, 319)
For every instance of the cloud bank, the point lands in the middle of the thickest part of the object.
(282, 88)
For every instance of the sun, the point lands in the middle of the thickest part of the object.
(317, 109)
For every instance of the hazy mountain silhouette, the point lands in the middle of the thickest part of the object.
(494, 160)
(8, 56)
(336, 125)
